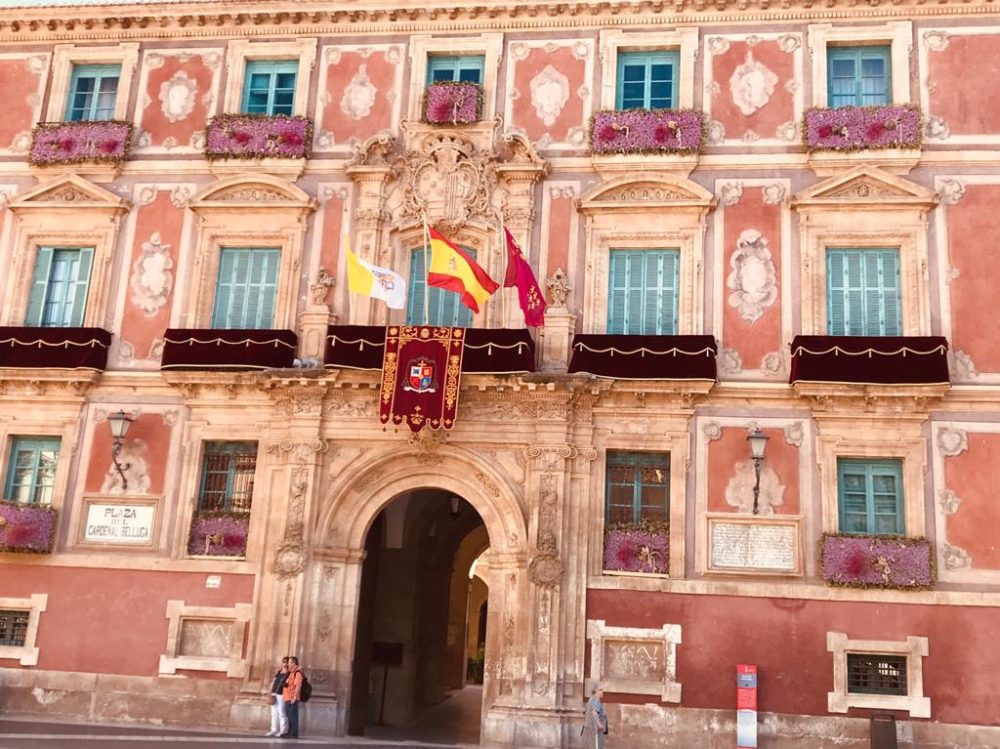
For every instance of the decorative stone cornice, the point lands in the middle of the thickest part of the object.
(215, 18)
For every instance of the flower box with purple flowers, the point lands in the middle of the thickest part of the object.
(102, 142)
(642, 547)
(877, 561)
(453, 103)
(678, 131)
(26, 528)
(257, 136)
(217, 534)
(862, 128)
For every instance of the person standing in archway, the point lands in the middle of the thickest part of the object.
(595, 720)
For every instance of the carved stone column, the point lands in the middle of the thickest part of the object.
(560, 324)
(372, 173)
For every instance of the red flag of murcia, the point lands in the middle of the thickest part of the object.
(519, 274)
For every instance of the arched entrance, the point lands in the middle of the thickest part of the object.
(386, 497)
(410, 678)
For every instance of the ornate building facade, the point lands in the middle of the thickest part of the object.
(752, 219)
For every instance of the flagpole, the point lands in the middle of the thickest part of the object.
(504, 252)
(427, 287)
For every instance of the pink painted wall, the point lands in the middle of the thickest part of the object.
(148, 429)
(972, 226)
(524, 113)
(155, 121)
(381, 73)
(732, 448)
(18, 85)
(110, 621)
(753, 340)
(974, 478)
(560, 219)
(140, 327)
(969, 104)
(333, 229)
(786, 638)
(778, 110)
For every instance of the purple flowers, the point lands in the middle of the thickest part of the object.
(637, 548)
(218, 535)
(453, 103)
(26, 528)
(857, 128)
(647, 131)
(877, 561)
(104, 141)
(257, 136)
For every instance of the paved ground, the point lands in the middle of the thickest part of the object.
(452, 724)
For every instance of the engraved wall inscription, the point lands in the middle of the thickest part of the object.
(766, 547)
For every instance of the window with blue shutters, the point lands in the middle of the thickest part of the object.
(870, 493)
(31, 470)
(93, 92)
(642, 293)
(863, 292)
(247, 288)
(466, 68)
(59, 287)
(227, 474)
(444, 307)
(637, 487)
(858, 76)
(647, 80)
(269, 87)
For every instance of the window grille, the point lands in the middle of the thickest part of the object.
(227, 477)
(869, 673)
(638, 487)
(13, 628)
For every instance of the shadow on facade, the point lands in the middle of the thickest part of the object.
(421, 626)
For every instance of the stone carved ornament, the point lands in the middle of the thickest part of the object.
(178, 97)
(549, 94)
(152, 279)
(545, 568)
(290, 558)
(133, 461)
(739, 492)
(752, 85)
(558, 288)
(753, 279)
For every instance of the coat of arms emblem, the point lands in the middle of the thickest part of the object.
(421, 378)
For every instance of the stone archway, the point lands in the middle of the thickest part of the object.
(333, 587)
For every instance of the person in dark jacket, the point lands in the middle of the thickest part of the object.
(279, 718)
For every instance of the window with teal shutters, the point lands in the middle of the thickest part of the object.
(637, 487)
(269, 87)
(31, 470)
(642, 293)
(858, 76)
(870, 493)
(247, 288)
(647, 80)
(444, 307)
(59, 286)
(863, 292)
(227, 473)
(93, 92)
(465, 68)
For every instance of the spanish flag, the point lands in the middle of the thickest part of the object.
(453, 269)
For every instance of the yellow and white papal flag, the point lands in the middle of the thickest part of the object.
(371, 280)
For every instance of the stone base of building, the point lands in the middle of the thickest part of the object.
(217, 703)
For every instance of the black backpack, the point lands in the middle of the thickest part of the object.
(306, 690)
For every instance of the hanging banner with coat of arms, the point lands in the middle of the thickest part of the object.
(421, 374)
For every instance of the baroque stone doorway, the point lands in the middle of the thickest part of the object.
(418, 660)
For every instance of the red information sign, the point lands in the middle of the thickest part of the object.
(746, 706)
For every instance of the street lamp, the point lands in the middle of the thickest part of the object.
(119, 423)
(454, 505)
(758, 441)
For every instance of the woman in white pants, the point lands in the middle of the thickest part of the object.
(279, 718)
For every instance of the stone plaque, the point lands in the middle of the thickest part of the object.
(120, 524)
(753, 546)
(205, 638)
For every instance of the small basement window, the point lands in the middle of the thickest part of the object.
(14, 628)
(869, 673)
